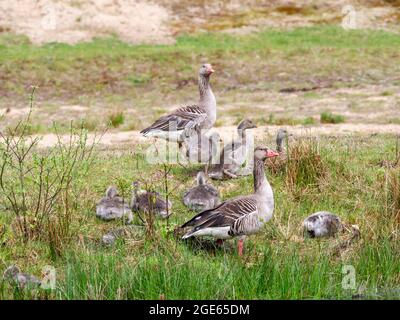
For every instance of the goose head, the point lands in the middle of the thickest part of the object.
(246, 124)
(263, 153)
(206, 70)
(11, 271)
(111, 192)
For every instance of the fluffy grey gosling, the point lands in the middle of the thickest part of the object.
(112, 207)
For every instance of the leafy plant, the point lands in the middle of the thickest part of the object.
(37, 184)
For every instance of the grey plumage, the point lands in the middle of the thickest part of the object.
(281, 140)
(132, 232)
(150, 202)
(203, 196)
(112, 207)
(180, 123)
(242, 215)
(13, 273)
(322, 224)
(234, 155)
(201, 148)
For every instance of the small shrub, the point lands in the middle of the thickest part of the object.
(116, 118)
(38, 185)
(328, 117)
(308, 121)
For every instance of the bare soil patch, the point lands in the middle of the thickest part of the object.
(73, 21)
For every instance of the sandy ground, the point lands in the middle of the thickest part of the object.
(158, 21)
(116, 139)
(73, 21)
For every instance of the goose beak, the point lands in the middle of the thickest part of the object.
(210, 70)
(271, 154)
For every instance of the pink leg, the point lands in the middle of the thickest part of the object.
(240, 247)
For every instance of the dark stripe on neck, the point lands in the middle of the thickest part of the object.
(258, 173)
(203, 85)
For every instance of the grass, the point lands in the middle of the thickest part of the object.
(129, 85)
(277, 264)
(116, 118)
(328, 117)
(107, 73)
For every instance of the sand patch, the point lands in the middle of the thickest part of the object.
(126, 138)
(73, 21)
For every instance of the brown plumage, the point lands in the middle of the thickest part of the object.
(149, 202)
(179, 124)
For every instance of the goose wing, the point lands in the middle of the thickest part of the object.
(226, 214)
(183, 118)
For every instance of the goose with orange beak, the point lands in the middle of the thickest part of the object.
(181, 122)
(240, 216)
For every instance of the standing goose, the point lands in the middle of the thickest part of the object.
(178, 124)
(202, 149)
(322, 224)
(234, 155)
(203, 196)
(149, 202)
(112, 206)
(280, 139)
(278, 164)
(240, 216)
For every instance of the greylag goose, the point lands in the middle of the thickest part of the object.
(12, 273)
(180, 123)
(278, 164)
(112, 206)
(240, 216)
(203, 196)
(132, 232)
(234, 155)
(280, 139)
(149, 202)
(202, 149)
(322, 224)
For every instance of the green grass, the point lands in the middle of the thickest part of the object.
(341, 175)
(328, 117)
(106, 74)
(277, 264)
(116, 118)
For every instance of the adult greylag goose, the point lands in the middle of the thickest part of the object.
(322, 224)
(234, 155)
(240, 216)
(180, 123)
(202, 149)
(277, 164)
(203, 196)
(281, 137)
(149, 202)
(13, 273)
(112, 206)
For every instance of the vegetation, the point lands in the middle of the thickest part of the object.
(107, 74)
(327, 117)
(340, 175)
(48, 196)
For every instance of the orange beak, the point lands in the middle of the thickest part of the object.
(210, 70)
(271, 154)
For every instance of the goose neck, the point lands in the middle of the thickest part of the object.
(261, 184)
(207, 98)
